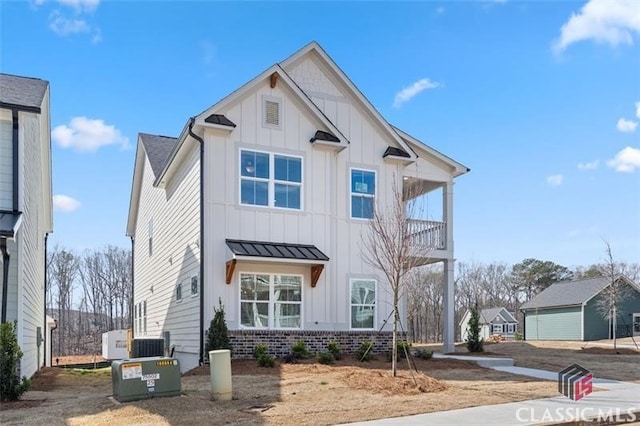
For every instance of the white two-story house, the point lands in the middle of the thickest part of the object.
(25, 212)
(261, 203)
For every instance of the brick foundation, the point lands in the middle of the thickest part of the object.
(279, 342)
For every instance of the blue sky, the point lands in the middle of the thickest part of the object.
(540, 99)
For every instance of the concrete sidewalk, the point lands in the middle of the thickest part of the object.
(616, 401)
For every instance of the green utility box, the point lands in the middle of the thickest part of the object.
(142, 378)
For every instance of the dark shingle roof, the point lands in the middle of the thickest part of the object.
(487, 315)
(396, 152)
(219, 119)
(9, 222)
(22, 91)
(324, 136)
(277, 250)
(567, 293)
(158, 149)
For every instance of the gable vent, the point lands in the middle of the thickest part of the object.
(272, 112)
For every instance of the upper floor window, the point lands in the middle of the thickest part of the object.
(179, 292)
(194, 286)
(150, 236)
(363, 192)
(270, 180)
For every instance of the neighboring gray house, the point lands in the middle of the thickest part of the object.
(569, 311)
(25, 212)
(492, 321)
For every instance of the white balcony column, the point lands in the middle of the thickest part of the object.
(447, 214)
(448, 333)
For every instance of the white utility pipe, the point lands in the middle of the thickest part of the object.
(220, 365)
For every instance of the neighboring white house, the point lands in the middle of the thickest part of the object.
(492, 321)
(25, 211)
(273, 186)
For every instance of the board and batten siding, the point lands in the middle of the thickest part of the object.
(175, 256)
(6, 161)
(596, 323)
(554, 324)
(325, 217)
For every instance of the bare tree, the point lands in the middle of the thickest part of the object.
(63, 271)
(614, 294)
(391, 248)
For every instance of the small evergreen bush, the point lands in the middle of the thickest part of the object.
(334, 349)
(259, 350)
(324, 358)
(424, 354)
(266, 360)
(300, 350)
(218, 333)
(11, 387)
(365, 351)
(518, 336)
(474, 342)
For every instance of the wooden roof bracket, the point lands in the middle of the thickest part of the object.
(316, 271)
(273, 80)
(231, 266)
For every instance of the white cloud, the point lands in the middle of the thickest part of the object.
(626, 126)
(64, 26)
(626, 161)
(408, 93)
(85, 134)
(555, 180)
(81, 5)
(638, 109)
(604, 21)
(591, 165)
(64, 203)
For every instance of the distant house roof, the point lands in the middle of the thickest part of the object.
(276, 250)
(568, 293)
(26, 92)
(158, 149)
(488, 315)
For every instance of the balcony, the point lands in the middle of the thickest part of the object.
(428, 234)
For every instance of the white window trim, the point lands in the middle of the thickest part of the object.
(197, 286)
(271, 301)
(497, 332)
(178, 300)
(351, 193)
(375, 305)
(277, 100)
(271, 181)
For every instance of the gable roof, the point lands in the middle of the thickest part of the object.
(22, 92)
(368, 106)
(568, 293)
(488, 315)
(158, 149)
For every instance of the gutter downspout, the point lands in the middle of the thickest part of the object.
(5, 277)
(44, 328)
(132, 298)
(16, 163)
(199, 139)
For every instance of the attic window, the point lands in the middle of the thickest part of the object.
(271, 112)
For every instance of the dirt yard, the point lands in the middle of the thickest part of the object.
(289, 394)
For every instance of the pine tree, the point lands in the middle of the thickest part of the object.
(474, 342)
(218, 333)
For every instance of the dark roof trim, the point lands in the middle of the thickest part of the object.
(276, 250)
(24, 108)
(395, 152)
(9, 223)
(324, 136)
(220, 120)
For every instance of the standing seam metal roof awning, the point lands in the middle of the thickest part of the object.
(263, 250)
(9, 223)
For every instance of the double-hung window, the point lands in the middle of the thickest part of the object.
(363, 193)
(270, 180)
(496, 328)
(270, 301)
(363, 304)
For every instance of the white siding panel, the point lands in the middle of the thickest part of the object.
(6, 165)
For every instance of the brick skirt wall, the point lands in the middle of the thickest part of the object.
(279, 342)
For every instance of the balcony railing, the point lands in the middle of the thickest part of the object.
(428, 234)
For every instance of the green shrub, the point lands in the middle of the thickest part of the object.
(324, 357)
(334, 349)
(300, 350)
(11, 387)
(259, 350)
(265, 360)
(518, 336)
(474, 342)
(403, 349)
(365, 351)
(218, 333)
(424, 354)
